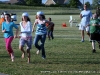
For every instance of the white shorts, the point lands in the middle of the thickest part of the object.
(83, 27)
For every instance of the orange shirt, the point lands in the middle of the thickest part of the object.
(1, 20)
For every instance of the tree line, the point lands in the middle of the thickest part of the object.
(71, 3)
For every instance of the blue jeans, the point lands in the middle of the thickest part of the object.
(42, 39)
(50, 34)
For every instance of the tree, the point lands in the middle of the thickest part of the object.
(96, 3)
(88, 4)
(73, 3)
(33, 2)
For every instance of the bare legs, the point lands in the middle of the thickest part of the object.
(12, 56)
(28, 54)
(82, 34)
(23, 53)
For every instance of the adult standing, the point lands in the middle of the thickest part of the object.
(85, 16)
(26, 35)
(7, 29)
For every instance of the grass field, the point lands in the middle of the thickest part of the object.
(66, 55)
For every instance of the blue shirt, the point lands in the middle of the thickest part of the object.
(9, 29)
(41, 29)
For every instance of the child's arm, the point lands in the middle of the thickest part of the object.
(81, 16)
(49, 22)
(94, 24)
(33, 27)
(16, 33)
(36, 22)
(3, 29)
(87, 25)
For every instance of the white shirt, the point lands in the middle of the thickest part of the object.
(86, 15)
(27, 30)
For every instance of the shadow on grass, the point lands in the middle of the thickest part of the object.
(4, 56)
(90, 62)
(68, 61)
(8, 56)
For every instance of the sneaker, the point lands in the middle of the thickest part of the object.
(93, 51)
(82, 40)
(38, 51)
(43, 57)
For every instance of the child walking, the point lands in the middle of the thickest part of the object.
(7, 29)
(94, 31)
(26, 35)
(50, 29)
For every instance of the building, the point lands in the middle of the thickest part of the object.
(12, 1)
(49, 2)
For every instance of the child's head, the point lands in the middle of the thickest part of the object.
(40, 15)
(94, 16)
(49, 19)
(7, 17)
(85, 6)
(25, 17)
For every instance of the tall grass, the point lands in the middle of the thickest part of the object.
(66, 55)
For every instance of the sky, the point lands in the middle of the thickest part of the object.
(86, 1)
(43, 1)
(4, 0)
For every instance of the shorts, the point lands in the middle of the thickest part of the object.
(27, 41)
(82, 26)
(95, 36)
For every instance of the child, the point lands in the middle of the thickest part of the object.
(94, 31)
(7, 29)
(2, 19)
(85, 16)
(41, 32)
(26, 35)
(50, 28)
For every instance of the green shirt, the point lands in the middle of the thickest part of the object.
(94, 29)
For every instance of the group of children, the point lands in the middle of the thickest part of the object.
(44, 28)
(25, 36)
(91, 24)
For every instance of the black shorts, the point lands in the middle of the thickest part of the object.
(95, 36)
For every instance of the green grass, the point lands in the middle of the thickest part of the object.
(66, 55)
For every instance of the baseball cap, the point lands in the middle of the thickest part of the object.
(25, 14)
(39, 13)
